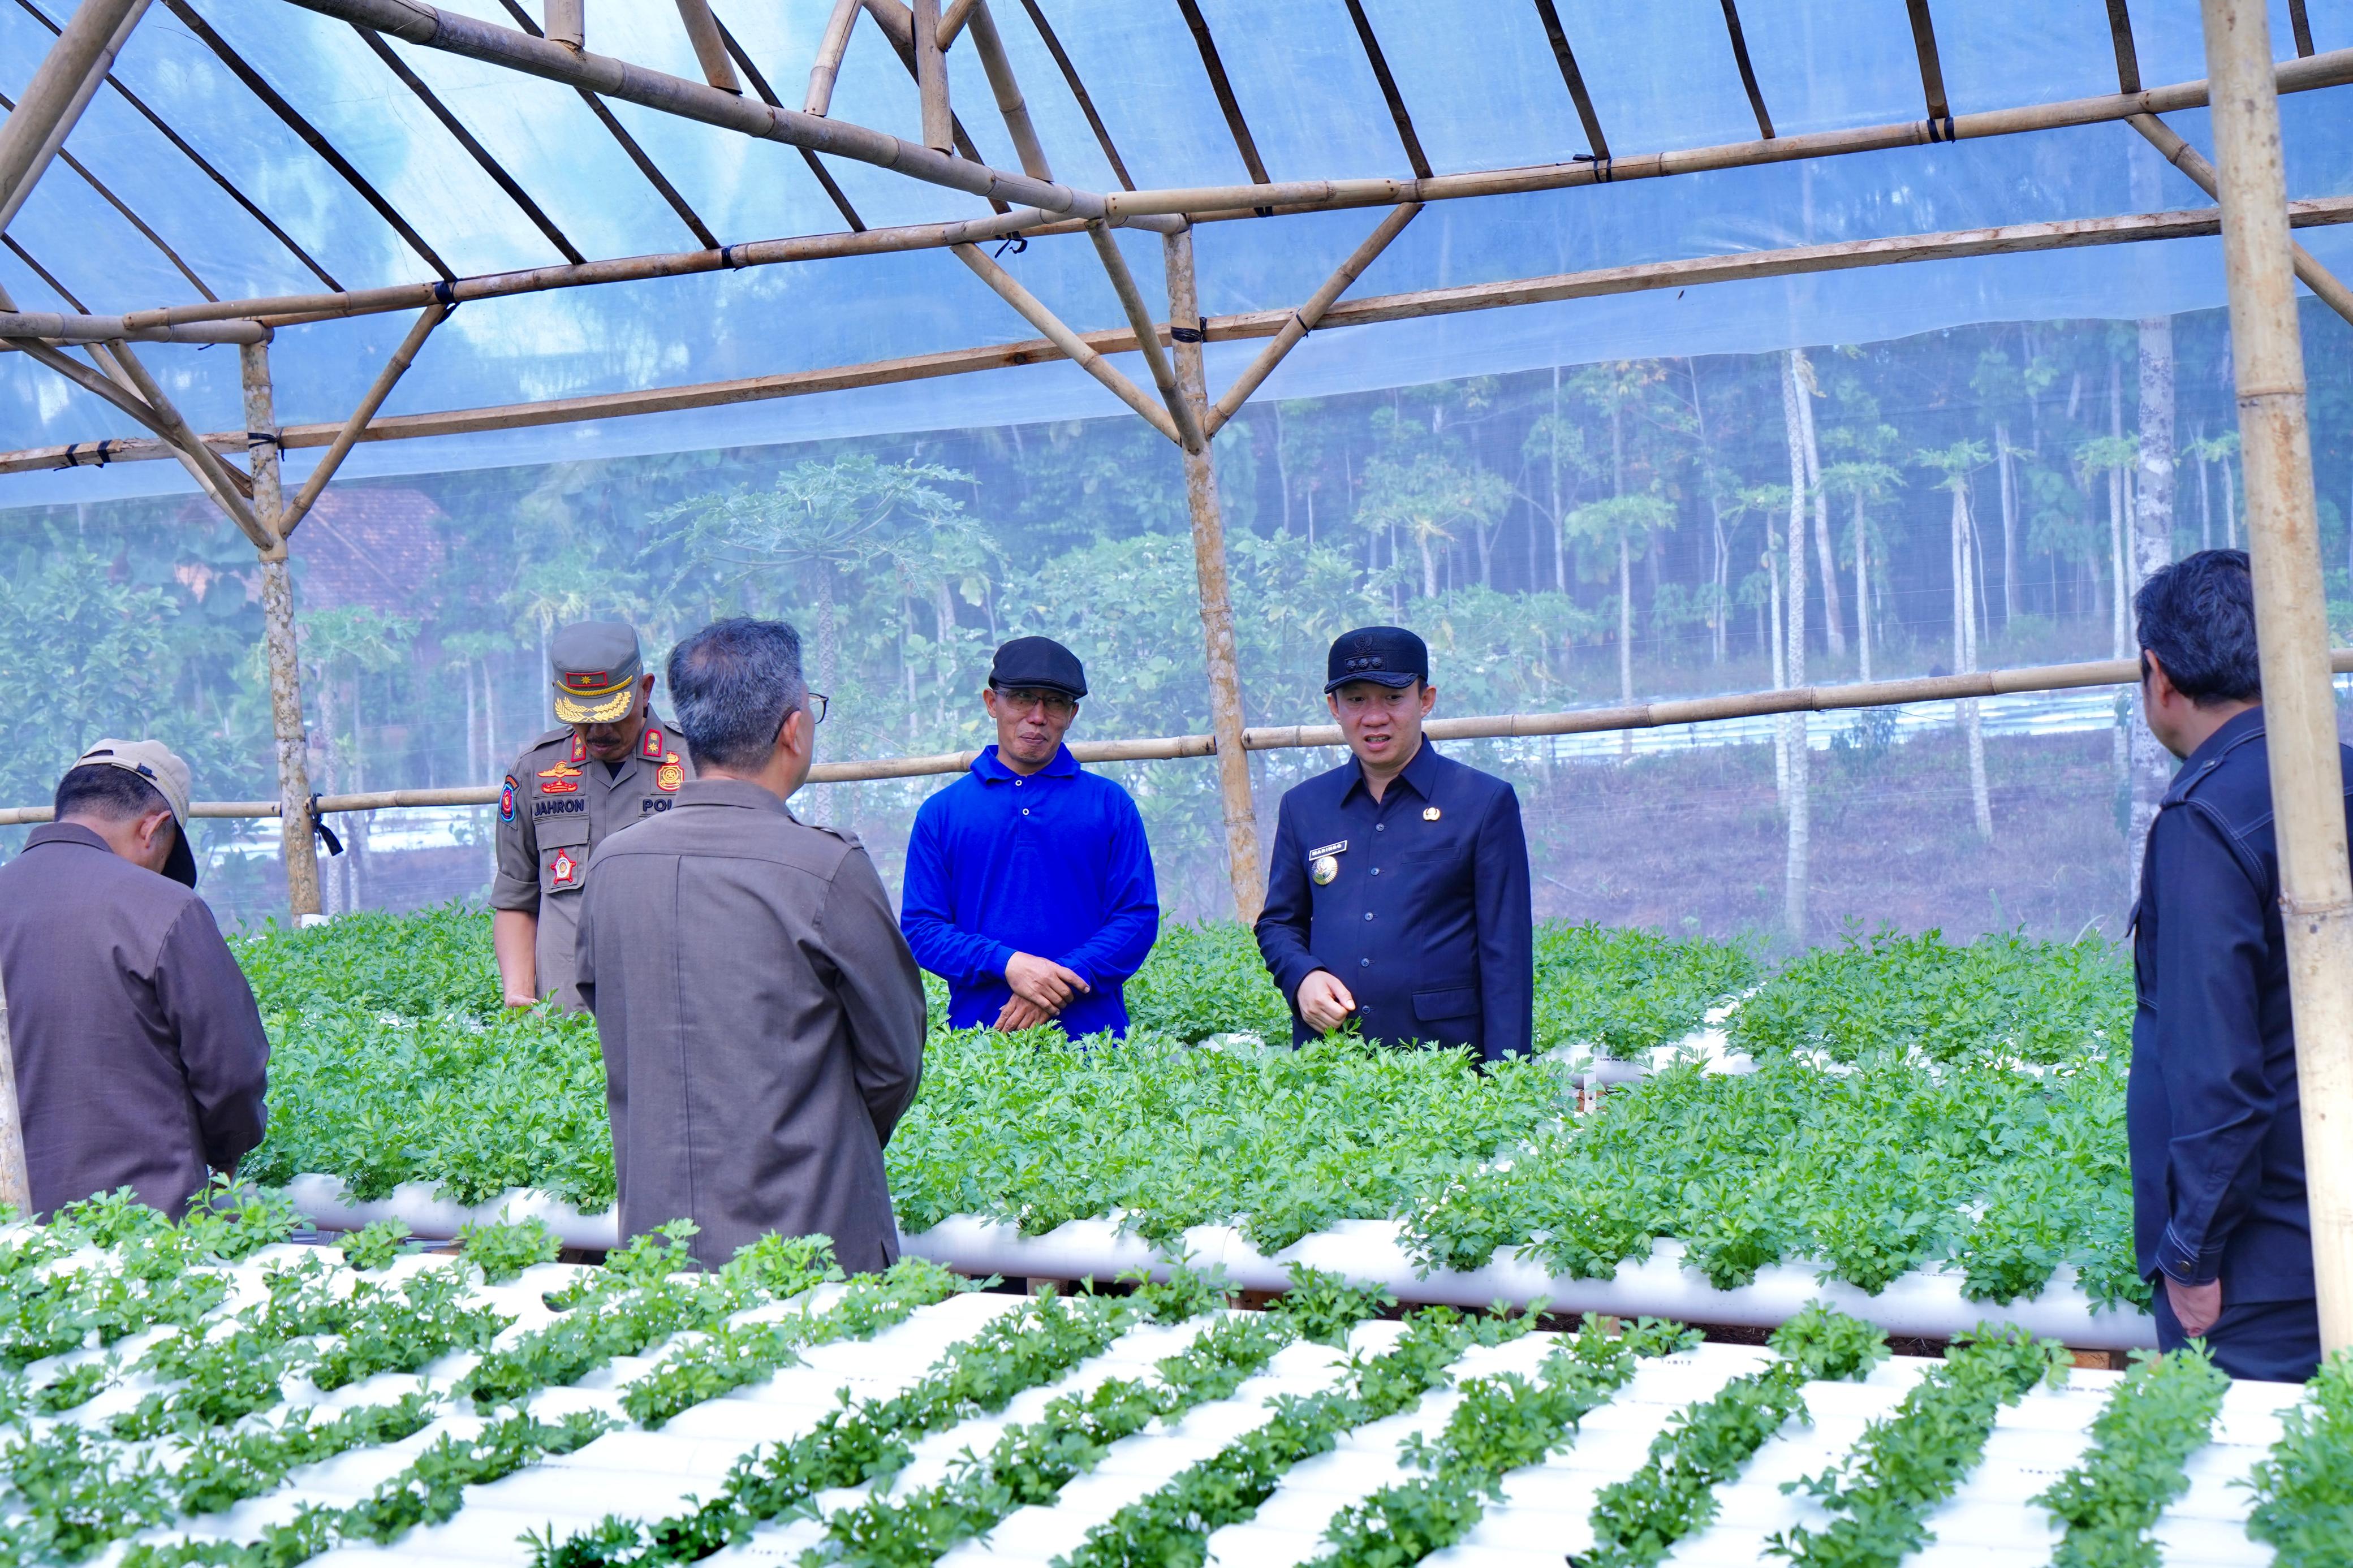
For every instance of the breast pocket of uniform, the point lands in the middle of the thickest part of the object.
(1438, 863)
(562, 854)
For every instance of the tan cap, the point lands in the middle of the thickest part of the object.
(595, 668)
(168, 775)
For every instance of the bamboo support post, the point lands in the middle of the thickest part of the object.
(567, 24)
(15, 1179)
(2011, 239)
(1071, 345)
(62, 88)
(953, 18)
(1242, 866)
(1304, 320)
(298, 848)
(229, 488)
(2292, 626)
(829, 50)
(1189, 435)
(710, 48)
(2326, 285)
(456, 33)
(51, 327)
(998, 66)
(932, 79)
(387, 379)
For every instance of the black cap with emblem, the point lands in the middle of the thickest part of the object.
(1385, 655)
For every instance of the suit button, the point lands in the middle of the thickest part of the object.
(1368, 914)
(1363, 964)
(1380, 827)
(1377, 870)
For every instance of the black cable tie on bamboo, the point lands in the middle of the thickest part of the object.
(1014, 243)
(262, 438)
(1602, 173)
(1304, 327)
(445, 296)
(319, 825)
(1941, 129)
(1199, 334)
(72, 460)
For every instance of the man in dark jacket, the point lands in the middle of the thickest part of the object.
(139, 1052)
(1397, 893)
(2219, 1217)
(761, 1018)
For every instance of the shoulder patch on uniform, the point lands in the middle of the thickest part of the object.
(507, 799)
(650, 748)
(564, 871)
(579, 752)
(668, 777)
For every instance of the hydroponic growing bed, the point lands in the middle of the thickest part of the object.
(209, 1394)
(1925, 1135)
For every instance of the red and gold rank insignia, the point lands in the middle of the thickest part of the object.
(579, 748)
(652, 747)
(564, 871)
(561, 779)
(669, 775)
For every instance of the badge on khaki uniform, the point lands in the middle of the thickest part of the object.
(564, 871)
(561, 779)
(670, 775)
(507, 800)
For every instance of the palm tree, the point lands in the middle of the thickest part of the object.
(1620, 523)
(1954, 463)
(1865, 482)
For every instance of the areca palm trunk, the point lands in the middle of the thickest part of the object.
(2009, 524)
(1833, 620)
(1862, 590)
(2152, 548)
(1800, 805)
(1965, 654)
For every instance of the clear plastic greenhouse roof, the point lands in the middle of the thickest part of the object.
(1479, 83)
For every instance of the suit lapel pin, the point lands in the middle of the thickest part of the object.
(1430, 814)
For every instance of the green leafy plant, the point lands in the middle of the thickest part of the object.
(2304, 1487)
(2160, 1415)
(372, 1247)
(504, 1250)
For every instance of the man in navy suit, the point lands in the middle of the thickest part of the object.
(1398, 891)
(2212, 1115)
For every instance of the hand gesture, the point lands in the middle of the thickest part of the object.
(1324, 1001)
(1042, 983)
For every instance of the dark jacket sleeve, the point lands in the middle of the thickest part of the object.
(1508, 954)
(1131, 900)
(882, 995)
(1284, 923)
(223, 1049)
(927, 907)
(2210, 1047)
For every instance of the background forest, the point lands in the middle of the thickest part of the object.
(1634, 529)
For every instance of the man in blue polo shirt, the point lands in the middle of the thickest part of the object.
(1029, 884)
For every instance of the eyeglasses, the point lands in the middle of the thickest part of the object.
(818, 703)
(1053, 702)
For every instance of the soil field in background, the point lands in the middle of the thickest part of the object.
(1694, 842)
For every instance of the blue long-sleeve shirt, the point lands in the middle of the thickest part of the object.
(1054, 864)
(2211, 1109)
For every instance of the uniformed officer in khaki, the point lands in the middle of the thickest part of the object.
(614, 763)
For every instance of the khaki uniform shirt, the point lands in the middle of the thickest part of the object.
(558, 805)
(762, 1022)
(139, 1052)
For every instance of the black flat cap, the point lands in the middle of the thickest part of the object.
(1038, 664)
(1385, 655)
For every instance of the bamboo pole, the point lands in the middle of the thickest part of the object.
(1305, 318)
(62, 88)
(52, 327)
(1188, 431)
(829, 50)
(932, 78)
(387, 379)
(297, 846)
(2325, 285)
(453, 32)
(953, 18)
(2011, 239)
(2292, 626)
(1226, 722)
(710, 49)
(990, 47)
(1069, 344)
(567, 24)
(1296, 737)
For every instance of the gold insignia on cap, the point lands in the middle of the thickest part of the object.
(1430, 814)
(1323, 869)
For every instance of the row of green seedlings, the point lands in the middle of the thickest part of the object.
(77, 1493)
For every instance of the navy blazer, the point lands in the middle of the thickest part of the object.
(2211, 1112)
(1425, 918)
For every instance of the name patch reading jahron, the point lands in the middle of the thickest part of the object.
(566, 807)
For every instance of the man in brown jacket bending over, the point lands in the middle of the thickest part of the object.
(139, 1053)
(761, 1018)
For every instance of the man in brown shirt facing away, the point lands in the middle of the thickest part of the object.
(139, 1052)
(761, 1018)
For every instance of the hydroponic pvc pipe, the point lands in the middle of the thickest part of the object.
(1928, 1304)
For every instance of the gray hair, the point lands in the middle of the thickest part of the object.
(734, 683)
